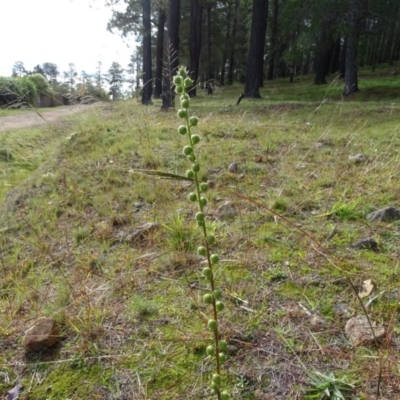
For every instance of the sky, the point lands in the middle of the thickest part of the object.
(60, 32)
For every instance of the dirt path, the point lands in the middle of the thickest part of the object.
(31, 118)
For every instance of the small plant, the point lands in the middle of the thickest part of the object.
(217, 350)
(327, 387)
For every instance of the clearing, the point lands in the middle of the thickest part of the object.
(110, 253)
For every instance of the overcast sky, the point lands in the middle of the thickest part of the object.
(60, 32)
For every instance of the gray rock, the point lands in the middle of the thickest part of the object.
(45, 333)
(384, 215)
(233, 167)
(359, 333)
(226, 210)
(366, 244)
(358, 158)
(317, 323)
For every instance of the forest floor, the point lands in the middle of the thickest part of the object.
(109, 252)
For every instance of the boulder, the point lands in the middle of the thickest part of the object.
(384, 215)
(233, 167)
(45, 333)
(359, 333)
(366, 244)
(226, 210)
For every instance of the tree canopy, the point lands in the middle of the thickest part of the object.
(250, 41)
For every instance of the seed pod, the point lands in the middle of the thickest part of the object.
(207, 298)
(207, 272)
(187, 150)
(182, 72)
(210, 239)
(220, 305)
(195, 139)
(200, 216)
(187, 82)
(202, 251)
(193, 121)
(224, 395)
(212, 325)
(193, 196)
(223, 345)
(179, 89)
(222, 357)
(217, 294)
(214, 259)
(196, 167)
(204, 187)
(203, 201)
(182, 130)
(191, 157)
(185, 103)
(214, 387)
(216, 378)
(182, 113)
(177, 80)
(190, 174)
(210, 350)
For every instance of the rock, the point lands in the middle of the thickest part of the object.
(226, 210)
(358, 158)
(342, 310)
(359, 333)
(139, 233)
(44, 334)
(384, 215)
(317, 323)
(233, 167)
(366, 244)
(232, 349)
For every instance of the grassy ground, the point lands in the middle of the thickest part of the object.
(133, 325)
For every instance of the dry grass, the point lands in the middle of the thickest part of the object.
(129, 305)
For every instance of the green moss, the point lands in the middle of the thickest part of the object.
(72, 381)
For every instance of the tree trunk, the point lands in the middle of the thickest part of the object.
(210, 66)
(147, 67)
(342, 63)
(225, 47)
(196, 16)
(159, 53)
(322, 67)
(232, 49)
(273, 41)
(255, 61)
(335, 58)
(174, 16)
(353, 19)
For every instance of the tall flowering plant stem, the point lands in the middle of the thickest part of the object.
(213, 297)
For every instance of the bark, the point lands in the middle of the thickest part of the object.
(322, 67)
(255, 61)
(342, 63)
(335, 58)
(232, 51)
(210, 66)
(147, 66)
(353, 19)
(196, 16)
(224, 53)
(273, 40)
(174, 15)
(159, 54)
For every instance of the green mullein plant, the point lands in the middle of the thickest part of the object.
(217, 350)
